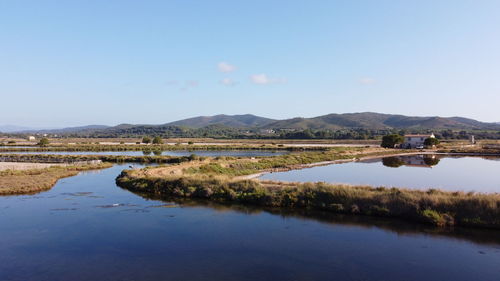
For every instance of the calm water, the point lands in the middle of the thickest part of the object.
(422, 172)
(87, 228)
(210, 153)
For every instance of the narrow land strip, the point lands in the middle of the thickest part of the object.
(231, 180)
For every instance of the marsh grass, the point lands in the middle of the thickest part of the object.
(218, 180)
(161, 147)
(37, 180)
(434, 207)
(55, 158)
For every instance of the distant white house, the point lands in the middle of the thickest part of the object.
(416, 141)
(31, 138)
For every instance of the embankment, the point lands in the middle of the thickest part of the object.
(37, 180)
(224, 181)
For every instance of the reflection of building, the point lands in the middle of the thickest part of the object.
(416, 141)
(421, 161)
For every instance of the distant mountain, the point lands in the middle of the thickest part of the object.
(234, 121)
(371, 120)
(12, 128)
(65, 130)
(250, 125)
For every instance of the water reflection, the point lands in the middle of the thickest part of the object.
(86, 228)
(397, 226)
(447, 172)
(422, 161)
(156, 152)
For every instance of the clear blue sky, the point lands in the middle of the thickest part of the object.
(65, 63)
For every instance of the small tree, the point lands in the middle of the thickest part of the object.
(146, 140)
(43, 142)
(390, 141)
(431, 141)
(157, 140)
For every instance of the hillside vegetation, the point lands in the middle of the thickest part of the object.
(365, 125)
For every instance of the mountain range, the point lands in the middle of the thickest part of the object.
(363, 120)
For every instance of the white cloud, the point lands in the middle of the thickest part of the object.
(263, 79)
(228, 82)
(367, 80)
(226, 67)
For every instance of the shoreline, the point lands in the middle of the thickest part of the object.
(341, 161)
(218, 180)
(31, 181)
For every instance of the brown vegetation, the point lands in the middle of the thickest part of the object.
(37, 180)
(220, 180)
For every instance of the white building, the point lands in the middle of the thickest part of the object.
(416, 141)
(31, 138)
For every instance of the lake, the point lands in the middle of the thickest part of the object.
(87, 228)
(416, 171)
(208, 153)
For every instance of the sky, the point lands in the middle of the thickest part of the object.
(71, 63)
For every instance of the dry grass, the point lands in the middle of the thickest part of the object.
(25, 166)
(219, 180)
(37, 180)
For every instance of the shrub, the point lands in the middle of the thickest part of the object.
(433, 217)
(431, 141)
(146, 140)
(43, 142)
(390, 141)
(157, 140)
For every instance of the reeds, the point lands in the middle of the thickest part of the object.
(37, 180)
(435, 207)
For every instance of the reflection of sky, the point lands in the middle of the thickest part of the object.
(466, 174)
(210, 153)
(86, 227)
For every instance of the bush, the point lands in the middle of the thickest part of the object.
(431, 142)
(390, 141)
(146, 140)
(43, 142)
(157, 140)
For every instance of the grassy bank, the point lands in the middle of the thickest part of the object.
(163, 147)
(220, 180)
(55, 158)
(473, 150)
(37, 180)
(434, 207)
